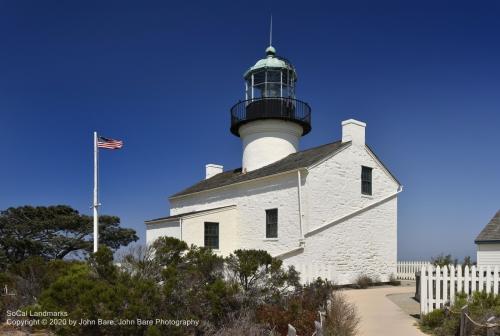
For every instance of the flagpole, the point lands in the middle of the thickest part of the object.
(96, 200)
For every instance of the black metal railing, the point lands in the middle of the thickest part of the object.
(281, 108)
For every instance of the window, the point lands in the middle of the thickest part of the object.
(366, 180)
(272, 223)
(212, 235)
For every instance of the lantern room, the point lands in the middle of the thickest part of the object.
(270, 77)
(270, 94)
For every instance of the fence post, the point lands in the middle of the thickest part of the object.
(452, 284)
(293, 332)
(488, 279)
(495, 280)
(459, 279)
(430, 288)
(438, 287)
(423, 291)
(463, 320)
(473, 282)
(445, 285)
(467, 280)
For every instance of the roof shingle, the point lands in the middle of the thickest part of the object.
(293, 161)
(491, 232)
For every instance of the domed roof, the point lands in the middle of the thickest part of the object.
(271, 61)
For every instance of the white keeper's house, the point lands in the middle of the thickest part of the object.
(330, 211)
(488, 243)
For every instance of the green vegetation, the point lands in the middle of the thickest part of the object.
(482, 306)
(247, 293)
(364, 281)
(445, 260)
(54, 232)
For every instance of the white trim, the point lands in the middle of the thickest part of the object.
(283, 255)
(352, 214)
(381, 165)
(161, 221)
(198, 213)
(208, 212)
(270, 239)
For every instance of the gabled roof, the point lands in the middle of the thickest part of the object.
(302, 159)
(491, 232)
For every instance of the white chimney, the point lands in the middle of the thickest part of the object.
(354, 131)
(212, 170)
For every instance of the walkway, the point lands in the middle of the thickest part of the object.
(380, 316)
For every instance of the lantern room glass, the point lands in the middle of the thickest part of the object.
(270, 83)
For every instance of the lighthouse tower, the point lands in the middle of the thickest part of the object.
(270, 121)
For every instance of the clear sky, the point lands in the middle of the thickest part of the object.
(162, 75)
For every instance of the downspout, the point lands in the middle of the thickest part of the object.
(180, 224)
(299, 194)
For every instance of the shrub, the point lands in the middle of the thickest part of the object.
(394, 281)
(341, 318)
(299, 309)
(242, 323)
(443, 260)
(433, 320)
(364, 281)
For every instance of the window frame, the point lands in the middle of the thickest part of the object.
(211, 235)
(366, 181)
(271, 233)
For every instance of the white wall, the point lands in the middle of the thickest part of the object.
(366, 243)
(488, 254)
(193, 229)
(158, 229)
(267, 141)
(251, 200)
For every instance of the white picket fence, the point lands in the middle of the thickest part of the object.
(440, 285)
(406, 269)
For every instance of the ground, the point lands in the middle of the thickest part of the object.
(386, 310)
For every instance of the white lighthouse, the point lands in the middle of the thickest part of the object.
(330, 210)
(270, 121)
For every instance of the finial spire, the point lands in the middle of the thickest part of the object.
(271, 32)
(270, 51)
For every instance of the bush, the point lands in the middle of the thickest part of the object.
(341, 317)
(364, 281)
(394, 281)
(249, 293)
(434, 319)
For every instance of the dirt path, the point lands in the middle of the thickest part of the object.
(380, 316)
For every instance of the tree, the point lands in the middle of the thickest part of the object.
(262, 277)
(54, 232)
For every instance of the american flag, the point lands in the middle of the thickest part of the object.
(103, 142)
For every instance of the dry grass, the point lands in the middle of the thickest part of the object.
(241, 324)
(342, 318)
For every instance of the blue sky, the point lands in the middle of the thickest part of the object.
(424, 75)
